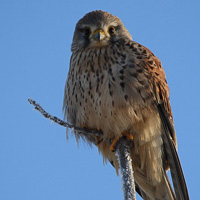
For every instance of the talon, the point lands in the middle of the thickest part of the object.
(98, 140)
(113, 145)
(86, 127)
(129, 137)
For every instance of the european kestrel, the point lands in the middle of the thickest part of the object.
(118, 86)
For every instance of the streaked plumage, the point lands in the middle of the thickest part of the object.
(118, 86)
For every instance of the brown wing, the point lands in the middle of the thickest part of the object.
(161, 92)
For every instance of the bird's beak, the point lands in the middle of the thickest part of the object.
(99, 35)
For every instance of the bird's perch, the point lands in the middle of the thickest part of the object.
(125, 165)
(122, 152)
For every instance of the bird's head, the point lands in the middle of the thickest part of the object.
(97, 29)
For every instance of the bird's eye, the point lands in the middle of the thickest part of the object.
(87, 32)
(111, 30)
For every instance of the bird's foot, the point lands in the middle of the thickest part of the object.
(115, 140)
(98, 140)
(86, 127)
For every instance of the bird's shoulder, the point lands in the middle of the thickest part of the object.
(150, 66)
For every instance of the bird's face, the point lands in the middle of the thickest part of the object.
(96, 36)
(97, 29)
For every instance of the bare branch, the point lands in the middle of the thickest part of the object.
(63, 123)
(125, 165)
(122, 151)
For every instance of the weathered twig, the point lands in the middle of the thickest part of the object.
(125, 165)
(63, 123)
(122, 151)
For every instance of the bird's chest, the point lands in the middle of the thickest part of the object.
(95, 88)
(102, 94)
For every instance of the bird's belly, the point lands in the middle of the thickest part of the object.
(114, 115)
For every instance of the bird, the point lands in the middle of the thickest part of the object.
(118, 86)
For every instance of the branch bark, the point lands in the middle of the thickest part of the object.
(122, 151)
(125, 165)
(63, 123)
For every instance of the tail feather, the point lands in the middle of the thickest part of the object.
(162, 190)
(172, 156)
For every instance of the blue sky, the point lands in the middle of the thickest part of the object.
(36, 162)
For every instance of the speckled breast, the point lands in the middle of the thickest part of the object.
(107, 89)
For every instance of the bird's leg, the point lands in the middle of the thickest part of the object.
(114, 144)
(98, 139)
(86, 127)
(125, 134)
